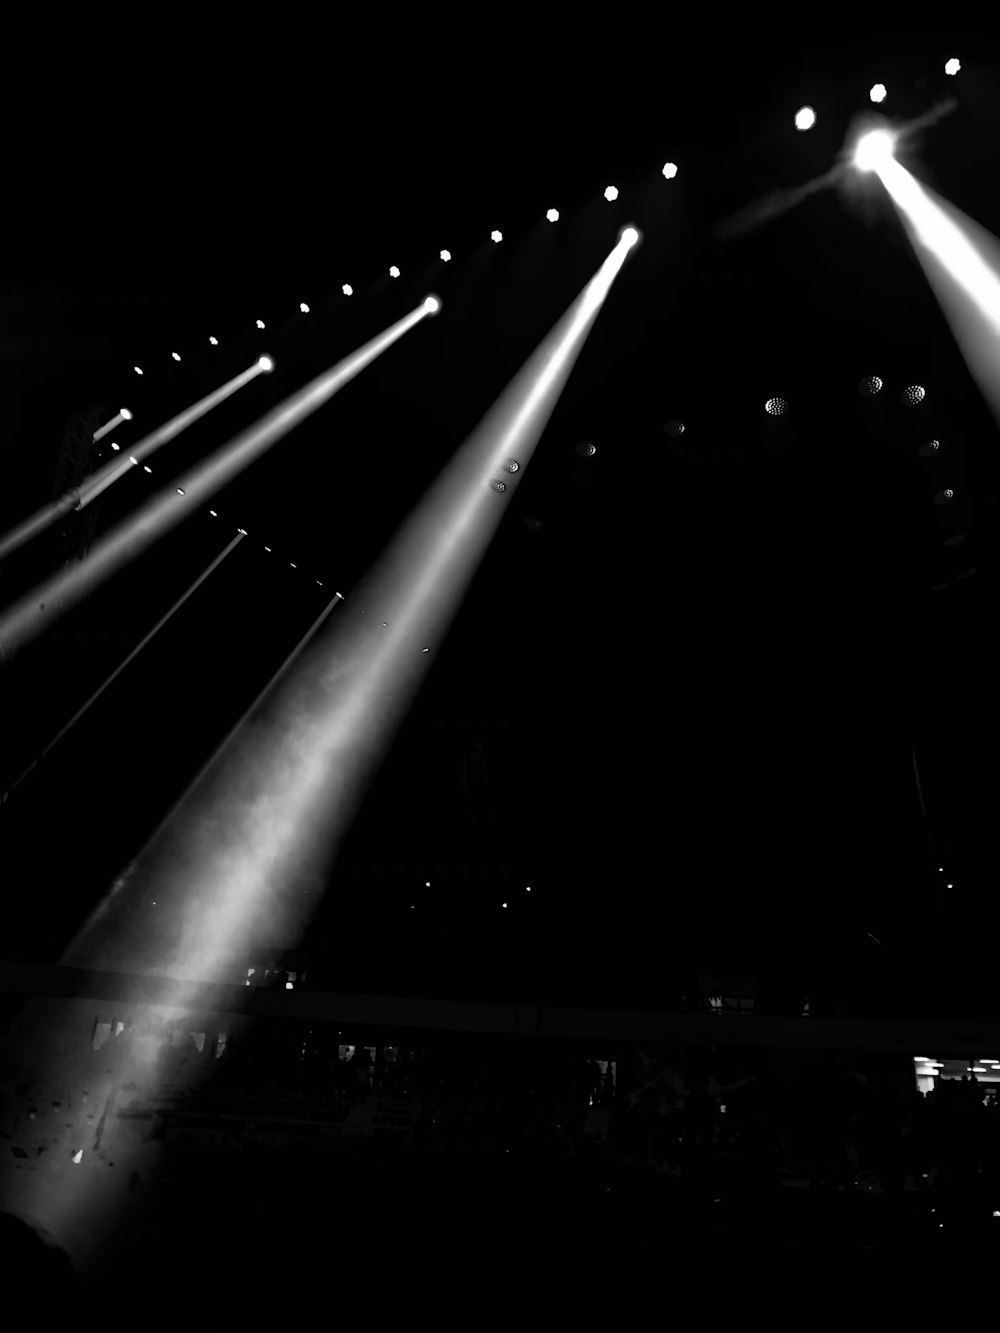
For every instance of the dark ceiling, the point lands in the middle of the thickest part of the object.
(692, 689)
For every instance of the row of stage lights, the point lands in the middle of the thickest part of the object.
(805, 117)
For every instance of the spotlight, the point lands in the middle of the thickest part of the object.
(805, 118)
(179, 491)
(877, 92)
(952, 67)
(630, 236)
(869, 387)
(943, 497)
(913, 395)
(303, 307)
(496, 236)
(776, 407)
(874, 150)
(147, 468)
(115, 447)
(432, 304)
(265, 363)
(214, 342)
(929, 449)
(133, 460)
(347, 289)
(213, 513)
(669, 170)
(445, 255)
(498, 486)
(394, 272)
(674, 428)
(124, 412)
(586, 450)
(260, 323)
(175, 355)
(137, 370)
(511, 464)
(611, 193)
(552, 215)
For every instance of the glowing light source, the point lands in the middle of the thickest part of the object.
(116, 447)
(137, 370)
(669, 170)
(180, 490)
(432, 304)
(776, 407)
(511, 464)
(929, 449)
(213, 513)
(394, 272)
(630, 236)
(611, 193)
(265, 363)
(869, 387)
(874, 150)
(805, 118)
(952, 67)
(124, 412)
(446, 255)
(496, 236)
(260, 323)
(912, 395)
(303, 307)
(585, 449)
(347, 289)
(78, 1156)
(552, 215)
(133, 460)
(498, 486)
(877, 92)
(943, 497)
(175, 355)
(214, 342)
(147, 468)
(674, 428)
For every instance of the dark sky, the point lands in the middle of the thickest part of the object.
(688, 695)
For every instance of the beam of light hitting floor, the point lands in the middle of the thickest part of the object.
(105, 476)
(247, 859)
(40, 608)
(961, 261)
(110, 679)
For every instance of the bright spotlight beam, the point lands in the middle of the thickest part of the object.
(105, 476)
(27, 618)
(247, 857)
(874, 150)
(961, 262)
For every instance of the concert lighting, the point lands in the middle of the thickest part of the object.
(137, 370)
(125, 414)
(260, 323)
(611, 193)
(669, 170)
(114, 446)
(776, 407)
(303, 307)
(265, 363)
(805, 118)
(394, 272)
(347, 289)
(943, 497)
(511, 465)
(498, 486)
(214, 342)
(874, 150)
(674, 428)
(496, 236)
(432, 304)
(877, 92)
(929, 449)
(176, 356)
(912, 395)
(869, 387)
(586, 450)
(630, 237)
(552, 215)
(952, 66)
(445, 255)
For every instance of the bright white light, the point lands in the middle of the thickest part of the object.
(175, 355)
(137, 370)
(446, 255)
(265, 363)
(180, 491)
(630, 236)
(124, 412)
(611, 193)
(496, 236)
(214, 342)
(115, 447)
(877, 93)
(874, 150)
(213, 513)
(394, 272)
(133, 460)
(78, 1156)
(347, 289)
(303, 307)
(432, 304)
(952, 67)
(805, 118)
(552, 215)
(260, 323)
(147, 468)
(669, 170)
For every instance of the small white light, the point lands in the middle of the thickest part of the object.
(293, 566)
(427, 884)
(289, 985)
(952, 67)
(265, 363)
(78, 1156)
(124, 412)
(552, 215)
(432, 304)
(214, 342)
(425, 650)
(115, 447)
(877, 93)
(874, 150)
(611, 193)
(137, 370)
(669, 170)
(242, 531)
(179, 491)
(347, 289)
(805, 118)
(503, 904)
(213, 513)
(303, 307)
(496, 236)
(133, 460)
(630, 236)
(260, 323)
(446, 255)
(394, 272)
(176, 355)
(267, 549)
(147, 468)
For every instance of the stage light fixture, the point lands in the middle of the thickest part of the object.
(552, 215)
(496, 236)
(611, 193)
(214, 342)
(511, 464)
(213, 513)
(674, 428)
(929, 449)
(877, 92)
(124, 412)
(347, 289)
(260, 323)
(669, 170)
(303, 307)
(943, 497)
(133, 460)
(432, 304)
(498, 486)
(874, 150)
(180, 490)
(137, 370)
(805, 118)
(394, 272)
(630, 236)
(585, 449)
(265, 363)
(446, 255)
(953, 66)
(175, 355)
(115, 447)
(776, 407)
(869, 387)
(912, 395)
(147, 468)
